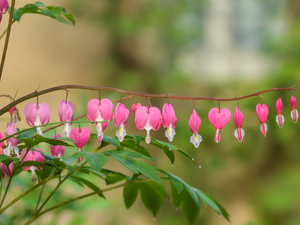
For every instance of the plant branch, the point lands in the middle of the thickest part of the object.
(139, 94)
(4, 32)
(10, 22)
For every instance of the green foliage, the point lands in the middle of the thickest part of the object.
(55, 12)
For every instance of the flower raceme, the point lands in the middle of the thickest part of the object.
(169, 121)
(148, 119)
(262, 112)
(294, 112)
(99, 111)
(57, 151)
(11, 142)
(238, 118)
(66, 113)
(279, 117)
(37, 115)
(81, 137)
(194, 124)
(120, 118)
(219, 118)
(33, 156)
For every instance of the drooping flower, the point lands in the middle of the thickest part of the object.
(1, 144)
(66, 113)
(98, 112)
(219, 118)
(262, 112)
(294, 112)
(37, 115)
(57, 151)
(194, 124)
(169, 121)
(148, 119)
(33, 156)
(14, 113)
(279, 117)
(238, 118)
(134, 107)
(80, 137)
(120, 118)
(6, 173)
(11, 142)
(3, 8)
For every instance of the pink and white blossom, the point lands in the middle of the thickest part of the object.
(294, 112)
(194, 124)
(66, 113)
(120, 118)
(80, 137)
(219, 118)
(262, 112)
(58, 150)
(238, 119)
(134, 107)
(11, 142)
(169, 121)
(279, 117)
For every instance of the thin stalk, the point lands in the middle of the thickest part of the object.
(139, 94)
(10, 21)
(4, 32)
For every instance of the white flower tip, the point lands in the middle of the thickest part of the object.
(148, 139)
(121, 133)
(39, 131)
(280, 120)
(196, 139)
(170, 133)
(239, 136)
(66, 129)
(294, 115)
(263, 128)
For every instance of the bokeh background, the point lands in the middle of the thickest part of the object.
(216, 48)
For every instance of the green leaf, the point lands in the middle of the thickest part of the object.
(27, 133)
(166, 147)
(96, 160)
(137, 166)
(112, 177)
(214, 204)
(52, 141)
(112, 140)
(151, 197)
(47, 171)
(89, 184)
(137, 138)
(130, 193)
(190, 209)
(187, 156)
(4, 157)
(131, 145)
(176, 195)
(55, 12)
(32, 163)
(127, 153)
(74, 180)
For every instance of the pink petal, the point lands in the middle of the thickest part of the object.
(155, 118)
(12, 110)
(293, 102)
(168, 115)
(262, 112)
(63, 111)
(194, 122)
(106, 108)
(30, 112)
(71, 111)
(121, 115)
(44, 112)
(141, 117)
(238, 117)
(279, 106)
(134, 107)
(93, 109)
(219, 119)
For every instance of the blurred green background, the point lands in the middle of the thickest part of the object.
(213, 48)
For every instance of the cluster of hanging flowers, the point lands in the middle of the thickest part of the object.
(101, 113)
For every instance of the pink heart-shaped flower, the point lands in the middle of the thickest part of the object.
(219, 118)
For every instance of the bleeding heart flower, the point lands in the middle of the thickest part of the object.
(80, 136)
(58, 150)
(11, 142)
(238, 118)
(66, 113)
(37, 115)
(1, 143)
(6, 173)
(33, 156)
(100, 111)
(169, 121)
(3, 6)
(294, 112)
(279, 117)
(148, 119)
(120, 118)
(262, 112)
(194, 124)
(219, 118)
(14, 113)
(134, 107)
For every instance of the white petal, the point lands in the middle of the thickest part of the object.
(16, 150)
(170, 133)
(266, 128)
(148, 139)
(196, 139)
(66, 129)
(297, 115)
(236, 134)
(99, 131)
(121, 133)
(6, 151)
(39, 131)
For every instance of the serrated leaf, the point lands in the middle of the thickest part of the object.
(127, 153)
(131, 145)
(130, 193)
(89, 184)
(137, 166)
(214, 204)
(190, 209)
(96, 160)
(112, 140)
